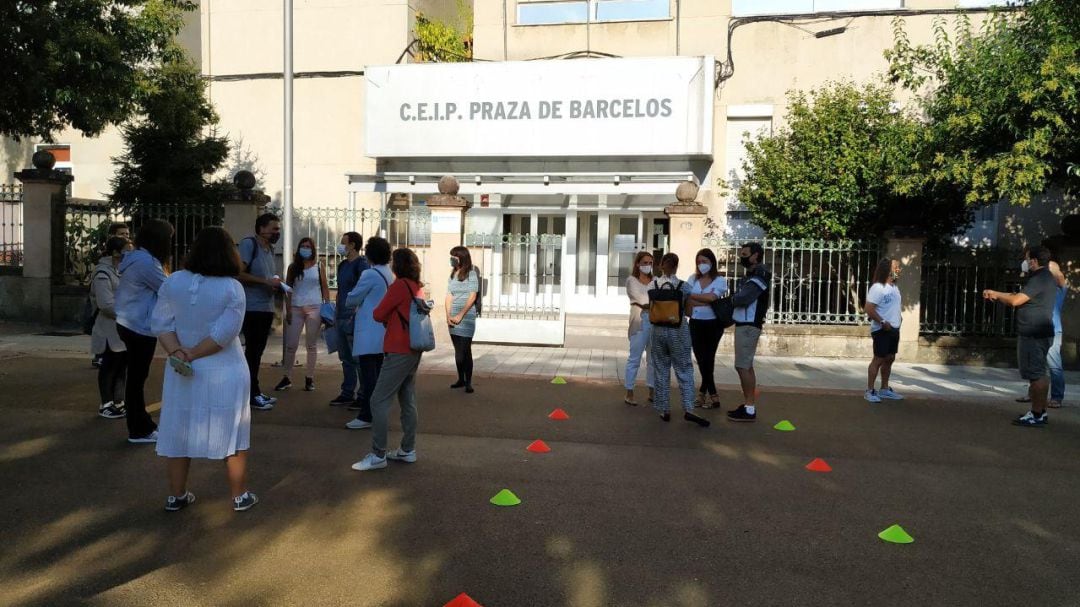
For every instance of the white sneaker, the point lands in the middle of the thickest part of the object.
(357, 424)
(889, 394)
(370, 462)
(149, 438)
(409, 457)
(871, 396)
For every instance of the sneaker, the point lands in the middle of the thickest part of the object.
(309, 384)
(469, 389)
(697, 419)
(271, 399)
(110, 411)
(358, 424)
(95, 362)
(283, 385)
(149, 438)
(342, 401)
(887, 393)
(1023, 399)
(872, 396)
(355, 406)
(409, 457)
(261, 403)
(174, 503)
(370, 462)
(1030, 420)
(245, 501)
(741, 415)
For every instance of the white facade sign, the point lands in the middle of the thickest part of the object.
(627, 243)
(445, 221)
(596, 107)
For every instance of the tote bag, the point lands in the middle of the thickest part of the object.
(421, 331)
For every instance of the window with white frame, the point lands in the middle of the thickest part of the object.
(746, 8)
(738, 222)
(552, 12)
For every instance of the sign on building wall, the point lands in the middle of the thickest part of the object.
(596, 107)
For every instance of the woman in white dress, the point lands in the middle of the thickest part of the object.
(204, 412)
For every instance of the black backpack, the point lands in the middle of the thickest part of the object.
(666, 303)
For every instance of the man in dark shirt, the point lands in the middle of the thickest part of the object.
(1035, 325)
(751, 301)
(349, 268)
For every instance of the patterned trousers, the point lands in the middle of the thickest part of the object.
(670, 347)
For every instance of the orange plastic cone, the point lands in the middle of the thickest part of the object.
(538, 446)
(818, 465)
(463, 600)
(558, 414)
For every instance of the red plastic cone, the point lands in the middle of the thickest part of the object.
(538, 446)
(463, 600)
(558, 414)
(818, 465)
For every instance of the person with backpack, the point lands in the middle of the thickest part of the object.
(706, 287)
(306, 278)
(105, 342)
(462, 298)
(367, 341)
(398, 375)
(259, 277)
(670, 342)
(351, 265)
(751, 301)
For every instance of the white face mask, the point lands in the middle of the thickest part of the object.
(342, 250)
(1025, 267)
(646, 270)
(305, 253)
(703, 268)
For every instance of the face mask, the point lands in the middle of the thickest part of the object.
(646, 270)
(744, 262)
(274, 238)
(894, 275)
(454, 262)
(342, 250)
(305, 253)
(703, 268)
(1025, 267)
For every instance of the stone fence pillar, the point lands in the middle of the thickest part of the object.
(447, 221)
(687, 226)
(909, 251)
(44, 198)
(243, 207)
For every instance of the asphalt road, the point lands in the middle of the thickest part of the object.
(625, 510)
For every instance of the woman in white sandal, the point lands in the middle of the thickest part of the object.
(637, 290)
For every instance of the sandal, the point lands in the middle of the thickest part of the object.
(714, 403)
(630, 401)
(1054, 404)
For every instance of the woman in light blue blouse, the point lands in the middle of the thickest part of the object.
(461, 308)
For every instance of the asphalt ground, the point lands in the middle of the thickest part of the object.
(625, 509)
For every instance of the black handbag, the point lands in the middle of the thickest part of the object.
(724, 309)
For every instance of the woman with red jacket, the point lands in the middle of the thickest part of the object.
(400, 363)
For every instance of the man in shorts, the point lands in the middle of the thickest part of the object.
(1035, 325)
(751, 301)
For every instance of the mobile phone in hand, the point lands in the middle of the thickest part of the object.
(181, 366)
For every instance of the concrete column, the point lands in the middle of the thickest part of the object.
(43, 236)
(909, 251)
(447, 221)
(687, 219)
(243, 207)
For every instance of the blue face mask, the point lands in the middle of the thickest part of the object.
(305, 253)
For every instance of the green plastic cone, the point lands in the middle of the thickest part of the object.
(558, 381)
(784, 426)
(896, 535)
(505, 497)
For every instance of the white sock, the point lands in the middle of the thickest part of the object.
(751, 409)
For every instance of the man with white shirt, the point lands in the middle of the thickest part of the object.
(883, 307)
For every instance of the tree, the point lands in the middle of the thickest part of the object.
(79, 63)
(1003, 104)
(439, 42)
(172, 150)
(833, 169)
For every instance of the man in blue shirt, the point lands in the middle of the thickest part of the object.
(348, 273)
(261, 281)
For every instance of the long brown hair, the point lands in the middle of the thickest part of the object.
(405, 264)
(707, 253)
(296, 268)
(637, 260)
(464, 262)
(155, 236)
(882, 270)
(213, 253)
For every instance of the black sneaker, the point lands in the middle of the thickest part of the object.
(245, 501)
(458, 384)
(1030, 420)
(261, 403)
(111, 411)
(174, 504)
(741, 415)
(697, 419)
(309, 384)
(342, 401)
(469, 389)
(283, 385)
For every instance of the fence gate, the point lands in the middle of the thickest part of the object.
(523, 300)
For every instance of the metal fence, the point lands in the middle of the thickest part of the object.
(402, 227)
(814, 282)
(521, 274)
(11, 225)
(952, 287)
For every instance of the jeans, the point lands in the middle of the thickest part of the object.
(349, 369)
(140, 355)
(307, 319)
(639, 342)
(1057, 372)
(705, 336)
(112, 376)
(370, 366)
(256, 330)
(398, 377)
(463, 358)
